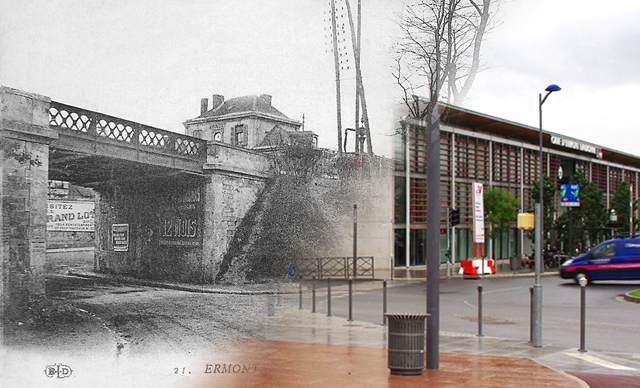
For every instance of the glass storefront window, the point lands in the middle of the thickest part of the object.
(400, 207)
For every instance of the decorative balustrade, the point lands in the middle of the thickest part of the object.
(334, 267)
(130, 133)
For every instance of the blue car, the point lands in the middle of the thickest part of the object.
(611, 260)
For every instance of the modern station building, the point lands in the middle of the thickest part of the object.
(475, 147)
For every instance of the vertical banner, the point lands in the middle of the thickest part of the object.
(478, 213)
(120, 237)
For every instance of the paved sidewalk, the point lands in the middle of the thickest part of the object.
(304, 349)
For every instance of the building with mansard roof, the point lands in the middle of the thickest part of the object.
(248, 122)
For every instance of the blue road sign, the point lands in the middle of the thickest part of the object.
(292, 270)
(570, 194)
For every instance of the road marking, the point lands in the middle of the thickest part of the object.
(502, 289)
(599, 361)
(471, 305)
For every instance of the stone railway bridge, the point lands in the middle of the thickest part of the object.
(159, 193)
(167, 204)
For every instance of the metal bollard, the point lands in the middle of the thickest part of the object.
(313, 295)
(384, 303)
(583, 313)
(300, 293)
(271, 302)
(350, 300)
(531, 316)
(328, 297)
(278, 295)
(480, 334)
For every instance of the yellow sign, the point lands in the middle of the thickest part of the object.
(526, 221)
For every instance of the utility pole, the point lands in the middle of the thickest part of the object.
(336, 61)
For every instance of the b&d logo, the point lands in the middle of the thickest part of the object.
(59, 371)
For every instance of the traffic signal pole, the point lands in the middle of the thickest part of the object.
(449, 244)
(453, 219)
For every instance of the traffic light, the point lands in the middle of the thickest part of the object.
(454, 216)
(443, 231)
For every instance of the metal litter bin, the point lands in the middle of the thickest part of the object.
(406, 343)
(515, 262)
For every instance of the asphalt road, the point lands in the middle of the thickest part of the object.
(146, 320)
(612, 324)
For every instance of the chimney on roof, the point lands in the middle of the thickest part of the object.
(267, 98)
(204, 106)
(217, 100)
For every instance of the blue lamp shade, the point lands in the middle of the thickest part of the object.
(553, 88)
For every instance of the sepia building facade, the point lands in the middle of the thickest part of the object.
(247, 122)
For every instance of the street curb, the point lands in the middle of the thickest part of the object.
(581, 382)
(208, 289)
(174, 286)
(630, 298)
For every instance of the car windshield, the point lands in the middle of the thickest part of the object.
(607, 250)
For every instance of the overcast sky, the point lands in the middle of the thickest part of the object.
(151, 61)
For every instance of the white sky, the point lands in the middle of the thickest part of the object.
(151, 61)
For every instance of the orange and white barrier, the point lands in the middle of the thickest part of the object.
(475, 267)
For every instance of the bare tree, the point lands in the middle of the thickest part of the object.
(439, 50)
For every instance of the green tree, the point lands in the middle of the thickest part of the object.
(587, 219)
(621, 201)
(500, 208)
(549, 190)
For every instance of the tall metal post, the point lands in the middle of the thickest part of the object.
(328, 297)
(570, 237)
(536, 318)
(313, 296)
(583, 312)
(384, 303)
(350, 300)
(480, 332)
(300, 295)
(355, 240)
(448, 243)
(407, 188)
(536, 300)
(433, 237)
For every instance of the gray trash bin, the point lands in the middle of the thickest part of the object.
(406, 343)
(515, 262)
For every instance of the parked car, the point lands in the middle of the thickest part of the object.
(611, 260)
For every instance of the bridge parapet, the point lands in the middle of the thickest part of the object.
(99, 125)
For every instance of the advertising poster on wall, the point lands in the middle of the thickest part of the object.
(120, 237)
(478, 213)
(70, 216)
(179, 220)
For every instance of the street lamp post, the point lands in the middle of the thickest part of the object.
(536, 316)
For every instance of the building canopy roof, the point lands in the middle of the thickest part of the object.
(457, 117)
